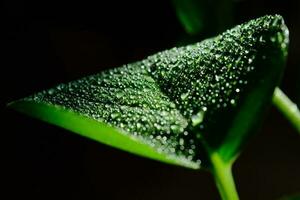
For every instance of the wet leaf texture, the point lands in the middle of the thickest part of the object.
(185, 100)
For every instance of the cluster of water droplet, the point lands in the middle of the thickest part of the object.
(209, 78)
(211, 74)
(162, 98)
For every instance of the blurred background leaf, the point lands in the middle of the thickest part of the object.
(203, 17)
(292, 197)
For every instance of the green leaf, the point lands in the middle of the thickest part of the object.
(178, 106)
(204, 16)
(191, 14)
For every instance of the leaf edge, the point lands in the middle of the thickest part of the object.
(90, 128)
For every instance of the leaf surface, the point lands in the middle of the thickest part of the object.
(178, 105)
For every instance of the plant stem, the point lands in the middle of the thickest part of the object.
(223, 177)
(287, 108)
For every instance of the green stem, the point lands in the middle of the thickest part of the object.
(223, 177)
(287, 108)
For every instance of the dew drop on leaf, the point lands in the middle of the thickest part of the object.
(197, 118)
(183, 96)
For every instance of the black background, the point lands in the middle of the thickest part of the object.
(48, 42)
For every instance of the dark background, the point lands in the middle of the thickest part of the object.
(48, 42)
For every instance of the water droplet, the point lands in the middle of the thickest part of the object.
(51, 91)
(261, 39)
(138, 125)
(197, 118)
(183, 96)
(217, 56)
(181, 141)
(175, 128)
(273, 39)
(119, 94)
(114, 115)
